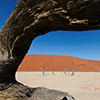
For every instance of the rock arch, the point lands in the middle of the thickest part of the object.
(32, 18)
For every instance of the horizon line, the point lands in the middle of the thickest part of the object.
(64, 55)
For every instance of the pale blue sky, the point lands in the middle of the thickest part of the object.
(79, 44)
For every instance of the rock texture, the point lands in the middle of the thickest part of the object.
(21, 92)
(32, 18)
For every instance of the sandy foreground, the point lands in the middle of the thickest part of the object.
(83, 85)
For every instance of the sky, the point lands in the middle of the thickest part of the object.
(84, 44)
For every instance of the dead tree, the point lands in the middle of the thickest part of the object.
(73, 68)
(42, 67)
(32, 18)
(66, 70)
(53, 68)
(80, 65)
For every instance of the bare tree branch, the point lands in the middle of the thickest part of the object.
(43, 66)
(53, 68)
(74, 67)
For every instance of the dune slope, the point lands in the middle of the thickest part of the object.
(33, 63)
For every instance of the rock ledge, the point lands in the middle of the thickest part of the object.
(20, 92)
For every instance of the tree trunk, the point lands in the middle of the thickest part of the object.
(64, 70)
(52, 71)
(73, 68)
(32, 18)
(43, 71)
(53, 68)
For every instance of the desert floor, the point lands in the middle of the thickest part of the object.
(83, 85)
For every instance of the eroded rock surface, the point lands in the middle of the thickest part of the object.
(20, 92)
(32, 18)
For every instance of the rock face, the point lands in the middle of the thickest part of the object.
(21, 92)
(46, 94)
(32, 18)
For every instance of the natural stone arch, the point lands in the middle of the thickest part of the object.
(32, 18)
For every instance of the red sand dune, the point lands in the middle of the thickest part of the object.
(33, 63)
